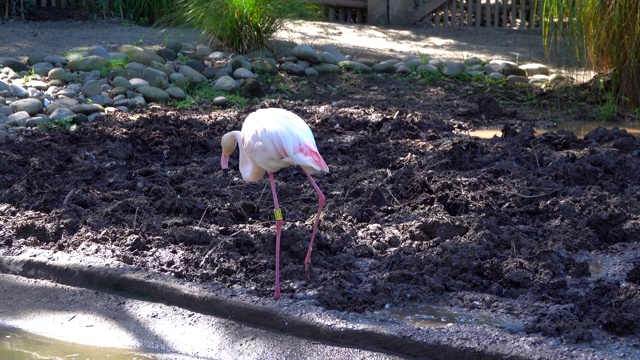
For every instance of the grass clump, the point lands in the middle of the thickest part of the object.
(603, 34)
(240, 25)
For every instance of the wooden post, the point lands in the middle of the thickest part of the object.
(378, 12)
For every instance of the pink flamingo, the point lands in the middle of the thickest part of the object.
(272, 139)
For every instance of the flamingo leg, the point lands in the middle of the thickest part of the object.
(321, 199)
(279, 222)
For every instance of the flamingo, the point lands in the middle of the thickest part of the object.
(272, 139)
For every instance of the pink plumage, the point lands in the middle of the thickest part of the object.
(272, 139)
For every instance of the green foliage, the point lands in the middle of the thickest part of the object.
(240, 25)
(60, 124)
(204, 93)
(604, 34)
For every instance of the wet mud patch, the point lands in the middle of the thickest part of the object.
(542, 228)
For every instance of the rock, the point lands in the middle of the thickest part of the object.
(333, 51)
(89, 63)
(243, 73)
(326, 68)
(535, 69)
(61, 114)
(202, 51)
(306, 52)
(428, 68)
(37, 84)
(137, 82)
(92, 87)
(18, 118)
(193, 75)
(162, 67)
(452, 68)
(355, 66)
(387, 66)
(510, 69)
(167, 54)
(292, 68)
(517, 79)
(18, 91)
(14, 64)
(35, 122)
(99, 51)
(145, 57)
(497, 76)
(42, 68)
(154, 94)
(30, 106)
(220, 101)
(61, 74)
(176, 93)
(155, 77)
(86, 108)
(225, 83)
(264, 66)
(250, 89)
(218, 56)
(120, 81)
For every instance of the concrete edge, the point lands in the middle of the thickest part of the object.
(161, 288)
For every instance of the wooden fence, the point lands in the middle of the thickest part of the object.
(515, 14)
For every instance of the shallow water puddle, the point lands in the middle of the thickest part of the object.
(16, 344)
(580, 128)
(430, 315)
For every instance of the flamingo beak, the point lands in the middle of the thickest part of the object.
(224, 164)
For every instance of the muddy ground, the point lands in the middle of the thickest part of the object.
(542, 228)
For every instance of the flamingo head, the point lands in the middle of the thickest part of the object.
(229, 142)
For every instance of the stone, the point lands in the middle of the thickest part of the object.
(225, 83)
(89, 63)
(42, 68)
(61, 114)
(154, 94)
(145, 57)
(155, 77)
(326, 68)
(510, 69)
(535, 69)
(99, 51)
(193, 75)
(292, 68)
(61, 74)
(30, 106)
(517, 79)
(120, 81)
(452, 68)
(385, 67)
(14, 64)
(18, 91)
(306, 52)
(428, 68)
(18, 118)
(86, 108)
(264, 66)
(91, 87)
(176, 93)
(355, 66)
(243, 73)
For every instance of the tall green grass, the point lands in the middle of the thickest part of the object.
(605, 34)
(240, 25)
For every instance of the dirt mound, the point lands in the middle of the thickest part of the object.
(543, 228)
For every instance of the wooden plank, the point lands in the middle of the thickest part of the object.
(496, 13)
(454, 13)
(513, 14)
(378, 12)
(487, 13)
(342, 3)
(523, 15)
(478, 13)
(469, 12)
(437, 18)
(532, 13)
(505, 14)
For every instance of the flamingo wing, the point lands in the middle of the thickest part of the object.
(277, 138)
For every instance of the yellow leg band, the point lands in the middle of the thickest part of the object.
(278, 214)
